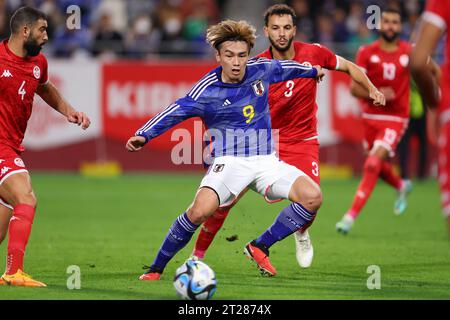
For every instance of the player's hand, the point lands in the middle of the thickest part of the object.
(388, 92)
(378, 98)
(320, 73)
(433, 126)
(135, 143)
(80, 118)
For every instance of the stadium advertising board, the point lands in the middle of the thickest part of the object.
(79, 83)
(134, 92)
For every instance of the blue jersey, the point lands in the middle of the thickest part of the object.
(236, 115)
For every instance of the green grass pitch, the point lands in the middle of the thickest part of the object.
(111, 227)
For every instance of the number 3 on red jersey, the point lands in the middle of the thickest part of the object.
(315, 169)
(290, 86)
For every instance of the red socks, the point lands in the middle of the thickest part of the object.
(19, 232)
(372, 169)
(388, 174)
(208, 231)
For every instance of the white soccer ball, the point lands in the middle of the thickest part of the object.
(195, 280)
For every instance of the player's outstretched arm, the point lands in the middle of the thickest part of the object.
(433, 126)
(361, 86)
(422, 68)
(135, 143)
(50, 94)
(283, 70)
(175, 113)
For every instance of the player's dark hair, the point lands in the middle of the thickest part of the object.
(230, 30)
(279, 9)
(25, 16)
(392, 10)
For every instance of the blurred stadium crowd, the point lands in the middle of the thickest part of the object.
(142, 29)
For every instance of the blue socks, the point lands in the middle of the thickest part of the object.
(178, 236)
(290, 219)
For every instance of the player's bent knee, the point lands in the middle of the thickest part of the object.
(198, 215)
(373, 164)
(307, 195)
(314, 199)
(25, 198)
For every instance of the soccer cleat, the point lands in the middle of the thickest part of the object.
(260, 258)
(401, 203)
(195, 257)
(345, 224)
(20, 279)
(304, 251)
(150, 275)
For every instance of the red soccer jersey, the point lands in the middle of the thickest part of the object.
(292, 103)
(19, 79)
(387, 69)
(438, 13)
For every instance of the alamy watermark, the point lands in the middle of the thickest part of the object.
(374, 280)
(73, 21)
(74, 280)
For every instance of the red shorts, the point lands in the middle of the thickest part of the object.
(444, 167)
(383, 133)
(10, 163)
(303, 155)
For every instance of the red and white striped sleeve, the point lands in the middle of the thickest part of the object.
(437, 13)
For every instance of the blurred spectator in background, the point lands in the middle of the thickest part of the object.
(325, 32)
(305, 24)
(71, 42)
(209, 8)
(394, 4)
(134, 8)
(117, 12)
(355, 17)
(412, 6)
(362, 37)
(107, 41)
(409, 25)
(142, 39)
(170, 22)
(197, 15)
(251, 11)
(4, 20)
(175, 28)
(54, 16)
(341, 33)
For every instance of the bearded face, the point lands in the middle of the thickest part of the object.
(36, 39)
(280, 31)
(32, 46)
(391, 26)
(282, 44)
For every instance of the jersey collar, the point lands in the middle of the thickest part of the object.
(12, 55)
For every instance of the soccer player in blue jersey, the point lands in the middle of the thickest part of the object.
(232, 100)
